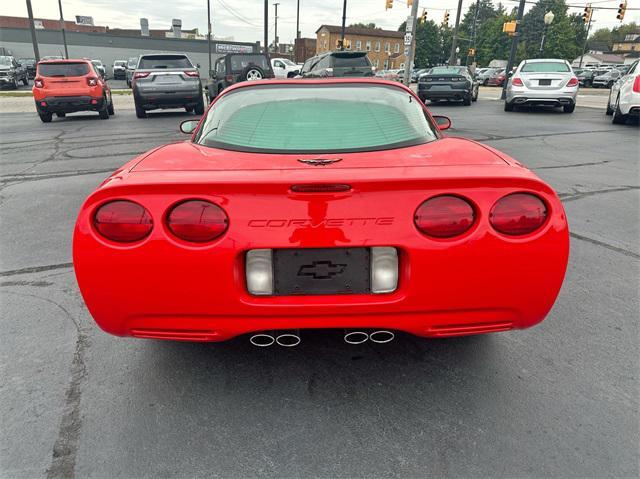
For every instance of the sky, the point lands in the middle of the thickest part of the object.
(243, 20)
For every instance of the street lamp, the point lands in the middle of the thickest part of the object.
(548, 20)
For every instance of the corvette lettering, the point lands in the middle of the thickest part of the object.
(325, 223)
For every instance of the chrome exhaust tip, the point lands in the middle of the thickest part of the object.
(382, 336)
(355, 337)
(262, 340)
(288, 340)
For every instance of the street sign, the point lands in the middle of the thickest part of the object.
(408, 38)
(409, 28)
(84, 20)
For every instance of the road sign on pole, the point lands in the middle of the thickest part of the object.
(408, 38)
(409, 41)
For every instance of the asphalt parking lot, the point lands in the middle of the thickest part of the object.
(558, 400)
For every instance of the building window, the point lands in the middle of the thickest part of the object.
(397, 48)
(387, 47)
(386, 64)
(377, 46)
(368, 46)
(358, 45)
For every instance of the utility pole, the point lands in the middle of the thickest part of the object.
(209, 35)
(410, 50)
(454, 43)
(586, 39)
(344, 21)
(266, 27)
(32, 27)
(296, 44)
(298, 20)
(514, 48)
(475, 27)
(64, 36)
(275, 34)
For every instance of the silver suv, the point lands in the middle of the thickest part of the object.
(543, 81)
(166, 81)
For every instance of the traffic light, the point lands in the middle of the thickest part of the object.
(510, 27)
(423, 17)
(586, 15)
(621, 9)
(409, 3)
(388, 4)
(471, 52)
(446, 17)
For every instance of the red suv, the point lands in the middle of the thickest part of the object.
(65, 86)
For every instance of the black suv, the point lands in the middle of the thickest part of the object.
(237, 67)
(337, 64)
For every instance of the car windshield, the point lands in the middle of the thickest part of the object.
(240, 62)
(286, 61)
(132, 62)
(446, 70)
(5, 60)
(164, 61)
(316, 119)
(119, 64)
(27, 61)
(67, 69)
(545, 67)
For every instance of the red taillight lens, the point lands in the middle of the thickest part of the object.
(518, 214)
(197, 221)
(38, 83)
(517, 81)
(636, 84)
(192, 74)
(444, 216)
(140, 74)
(572, 82)
(123, 221)
(92, 81)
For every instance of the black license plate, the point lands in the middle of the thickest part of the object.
(544, 82)
(315, 271)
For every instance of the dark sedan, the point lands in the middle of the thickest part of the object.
(448, 83)
(30, 66)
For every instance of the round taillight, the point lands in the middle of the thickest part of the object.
(197, 221)
(123, 221)
(518, 214)
(444, 216)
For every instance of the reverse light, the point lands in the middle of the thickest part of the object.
(197, 221)
(92, 81)
(636, 84)
(517, 81)
(141, 74)
(192, 74)
(384, 269)
(259, 271)
(123, 221)
(38, 83)
(444, 216)
(573, 82)
(518, 214)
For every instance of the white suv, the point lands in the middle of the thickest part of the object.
(624, 96)
(284, 68)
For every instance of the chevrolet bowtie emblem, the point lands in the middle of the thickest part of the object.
(319, 161)
(321, 269)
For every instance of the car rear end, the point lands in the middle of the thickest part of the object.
(350, 64)
(497, 78)
(445, 83)
(444, 238)
(166, 81)
(543, 82)
(119, 70)
(66, 86)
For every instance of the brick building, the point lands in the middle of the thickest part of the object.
(47, 24)
(384, 48)
(304, 48)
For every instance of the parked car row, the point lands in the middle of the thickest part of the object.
(12, 72)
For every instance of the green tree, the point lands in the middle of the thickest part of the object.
(364, 25)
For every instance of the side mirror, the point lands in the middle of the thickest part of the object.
(189, 126)
(442, 122)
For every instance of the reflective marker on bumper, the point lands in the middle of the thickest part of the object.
(259, 271)
(384, 269)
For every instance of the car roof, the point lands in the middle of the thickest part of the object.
(66, 60)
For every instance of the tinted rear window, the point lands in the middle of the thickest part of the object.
(240, 62)
(545, 67)
(63, 69)
(316, 119)
(350, 61)
(164, 61)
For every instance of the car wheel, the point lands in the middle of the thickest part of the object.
(466, 101)
(140, 112)
(569, 108)
(252, 73)
(110, 108)
(25, 81)
(609, 111)
(15, 84)
(61, 114)
(475, 96)
(104, 111)
(199, 109)
(45, 117)
(485, 83)
(618, 118)
(508, 106)
(588, 84)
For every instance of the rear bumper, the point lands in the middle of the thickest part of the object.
(68, 104)
(455, 94)
(169, 99)
(533, 97)
(6, 80)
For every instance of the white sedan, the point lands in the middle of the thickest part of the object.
(624, 96)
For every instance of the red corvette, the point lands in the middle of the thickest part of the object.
(305, 204)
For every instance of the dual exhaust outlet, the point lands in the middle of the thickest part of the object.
(291, 338)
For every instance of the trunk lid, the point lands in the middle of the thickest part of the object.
(545, 81)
